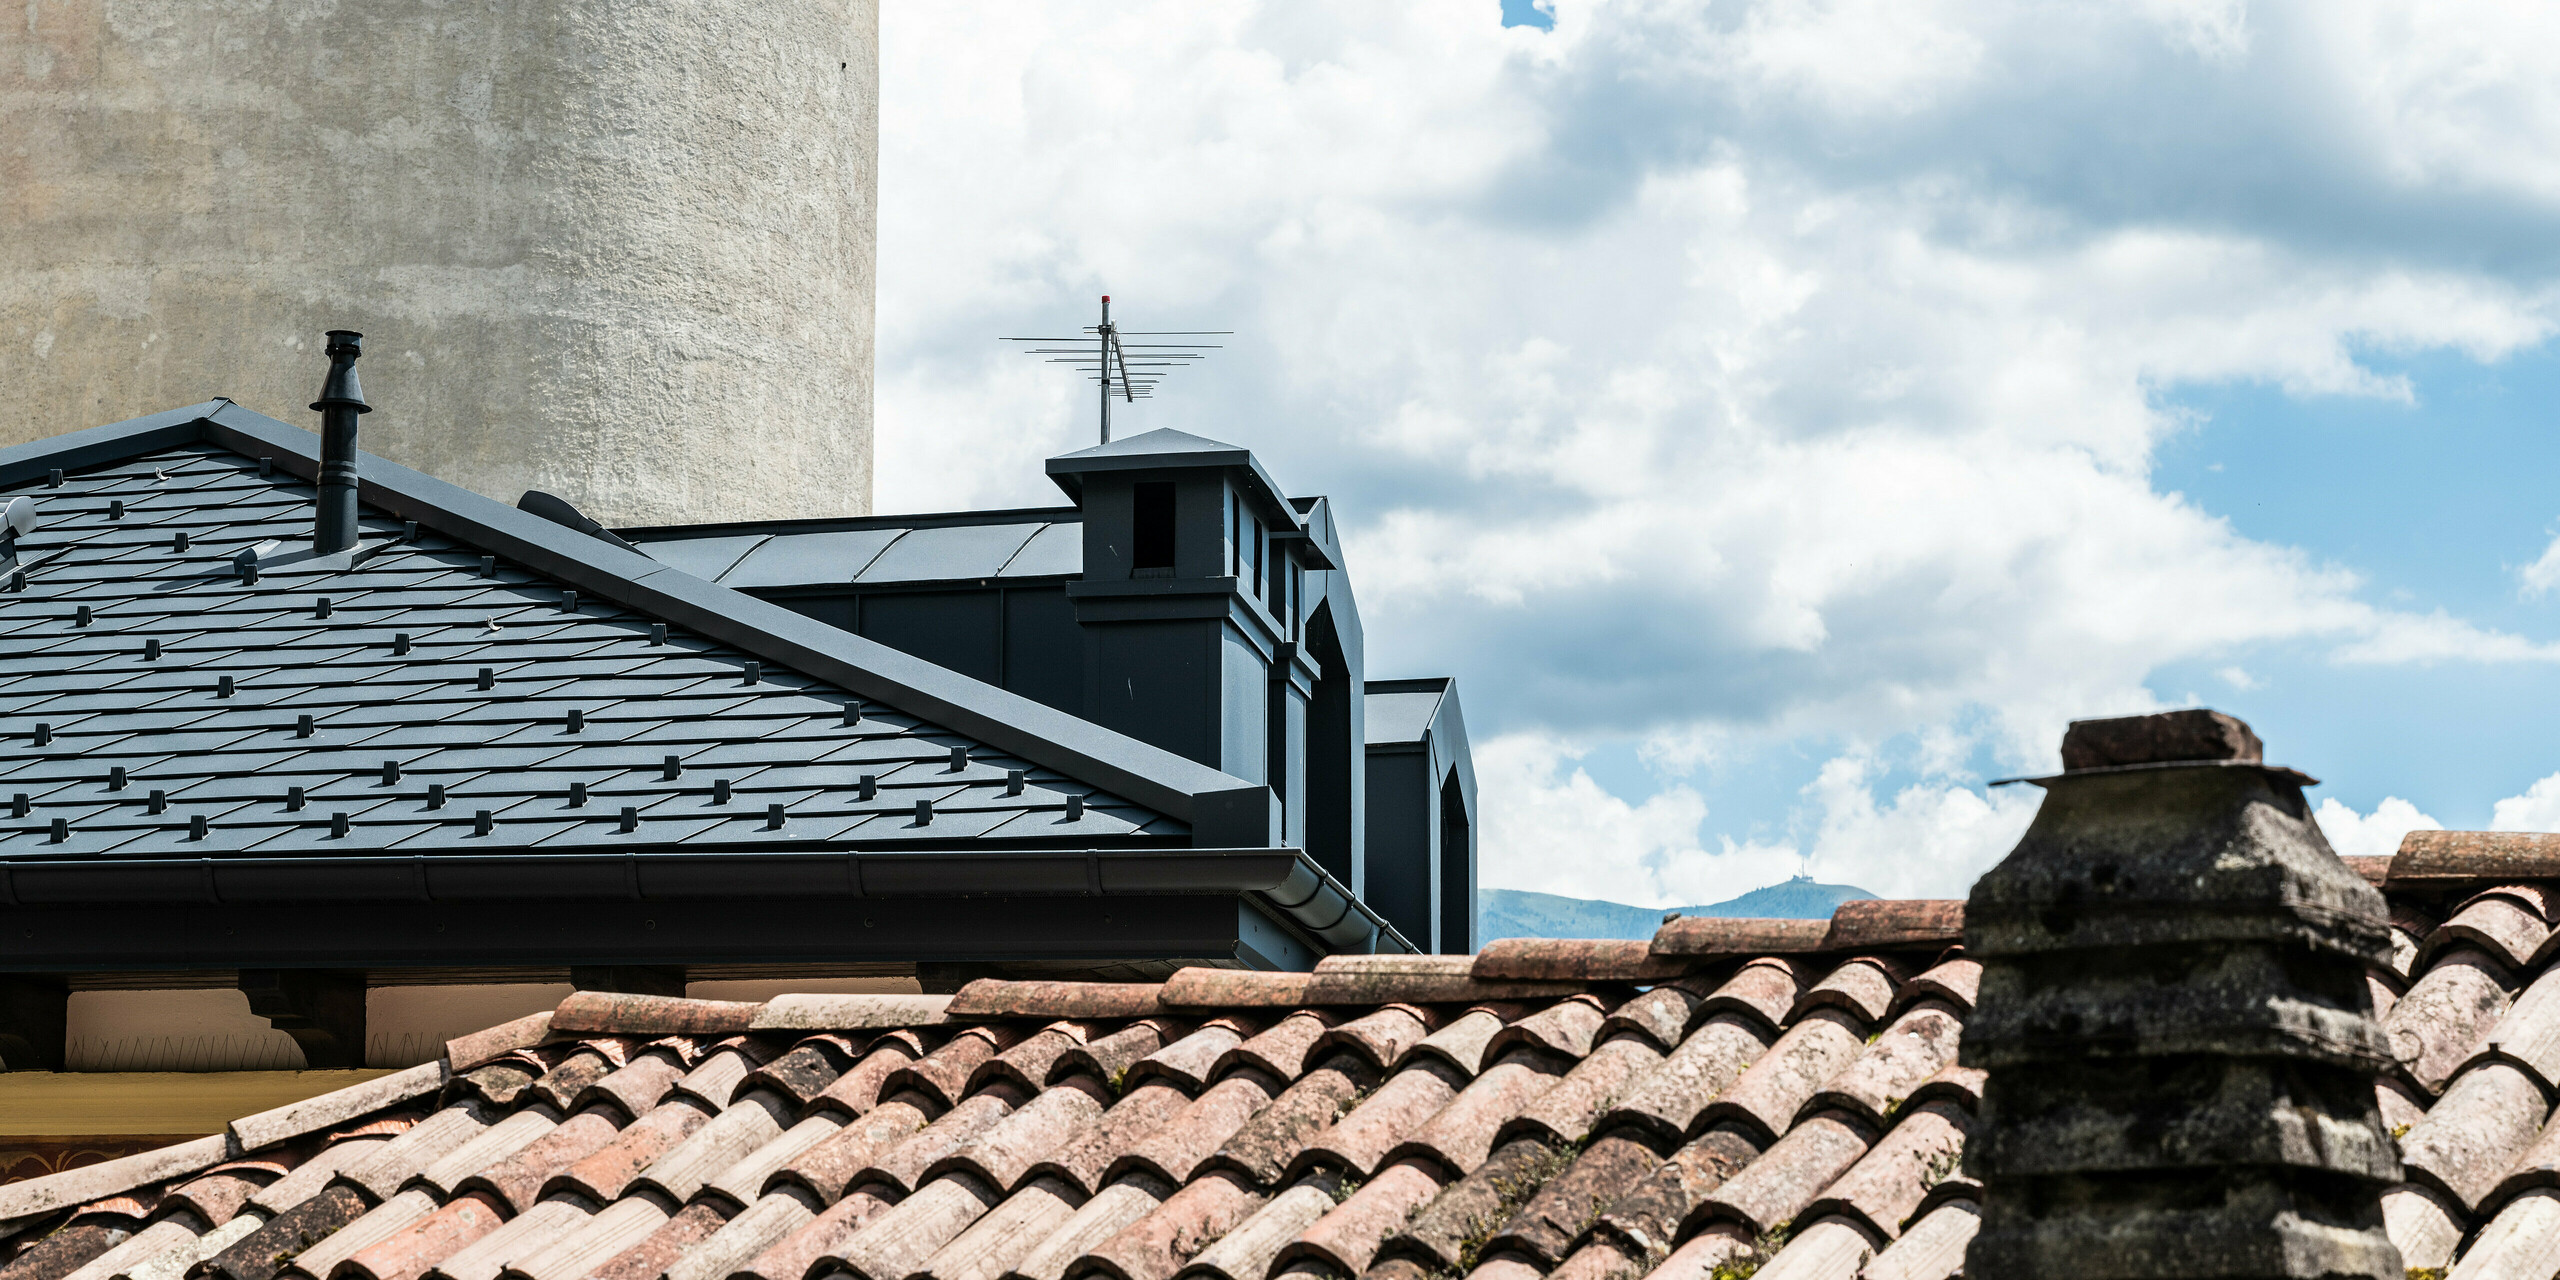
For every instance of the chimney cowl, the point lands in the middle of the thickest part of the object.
(341, 400)
(341, 388)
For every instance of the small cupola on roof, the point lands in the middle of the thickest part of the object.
(1193, 600)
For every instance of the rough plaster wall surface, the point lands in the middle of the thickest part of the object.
(616, 249)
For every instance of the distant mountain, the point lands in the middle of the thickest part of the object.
(1518, 913)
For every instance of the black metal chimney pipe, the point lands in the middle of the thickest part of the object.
(341, 399)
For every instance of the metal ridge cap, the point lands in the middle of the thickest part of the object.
(91, 445)
(791, 525)
(1079, 748)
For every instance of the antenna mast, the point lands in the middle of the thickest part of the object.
(1107, 360)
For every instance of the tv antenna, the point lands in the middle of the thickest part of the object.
(1129, 369)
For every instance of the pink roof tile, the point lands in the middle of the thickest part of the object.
(1525, 1114)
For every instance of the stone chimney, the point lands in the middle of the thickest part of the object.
(2182, 1051)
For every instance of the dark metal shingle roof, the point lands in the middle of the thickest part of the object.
(388, 662)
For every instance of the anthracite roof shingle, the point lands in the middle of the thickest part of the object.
(390, 668)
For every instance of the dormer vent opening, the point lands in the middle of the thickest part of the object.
(1151, 540)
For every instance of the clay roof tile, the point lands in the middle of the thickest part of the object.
(812, 1064)
(1796, 1168)
(2425, 1224)
(1554, 1217)
(1566, 1112)
(1863, 986)
(636, 1087)
(1463, 1040)
(1112, 1209)
(1107, 1058)
(944, 1074)
(1383, 1037)
(999, 998)
(1272, 1141)
(2442, 857)
(1575, 960)
(1007, 1233)
(1768, 989)
(1957, 981)
(1176, 1148)
(1028, 1063)
(2519, 1241)
(1567, 1028)
(1669, 1097)
(603, 1174)
(1361, 1139)
(1461, 1135)
(1345, 1240)
(1448, 1229)
(1283, 1050)
(1156, 1246)
(1080, 1161)
(2447, 1015)
(1872, 924)
(463, 1053)
(1648, 1216)
(1204, 988)
(896, 1243)
(1779, 1082)
(1248, 1252)
(1190, 1061)
(858, 1089)
(1003, 1156)
(1886, 1184)
(518, 1179)
(2476, 1131)
(850, 1012)
(828, 1168)
(625, 1013)
(1911, 1049)
(903, 1165)
(2498, 923)
(1663, 1015)
(1720, 937)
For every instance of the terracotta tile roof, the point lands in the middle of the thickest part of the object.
(1583, 1111)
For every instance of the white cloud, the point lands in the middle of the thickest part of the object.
(2538, 809)
(1550, 828)
(2376, 834)
(1927, 842)
(1710, 376)
(2544, 573)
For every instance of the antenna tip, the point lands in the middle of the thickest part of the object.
(1106, 297)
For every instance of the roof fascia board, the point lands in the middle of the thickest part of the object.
(118, 440)
(1288, 880)
(1149, 775)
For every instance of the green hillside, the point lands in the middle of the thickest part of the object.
(1518, 913)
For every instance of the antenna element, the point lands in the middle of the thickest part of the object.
(1133, 369)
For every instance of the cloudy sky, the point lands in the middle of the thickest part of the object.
(1783, 417)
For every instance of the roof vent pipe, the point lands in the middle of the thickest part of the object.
(341, 399)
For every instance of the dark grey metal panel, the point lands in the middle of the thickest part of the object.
(962, 630)
(1043, 647)
(1056, 551)
(1400, 717)
(806, 559)
(705, 558)
(949, 553)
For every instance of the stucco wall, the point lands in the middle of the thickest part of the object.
(620, 250)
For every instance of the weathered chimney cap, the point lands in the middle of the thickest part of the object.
(2192, 739)
(341, 388)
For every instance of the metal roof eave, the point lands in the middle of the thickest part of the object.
(1288, 880)
(1221, 809)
